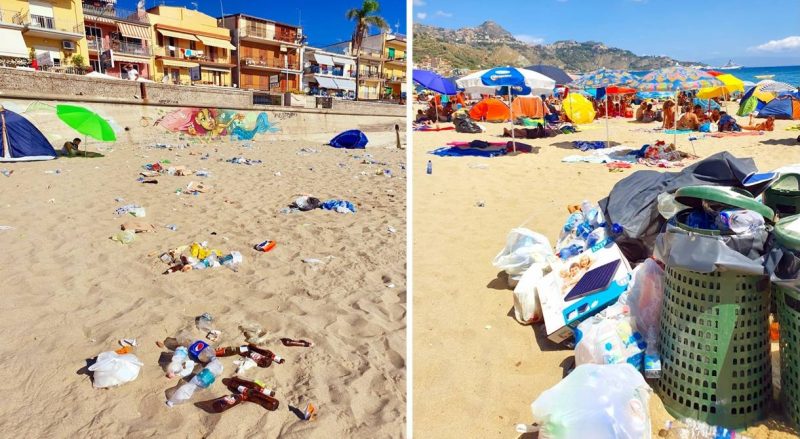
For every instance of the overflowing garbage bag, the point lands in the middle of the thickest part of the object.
(113, 369)
(609, 337)
(523, 248)
(464, 124)
(644, 298)
(594, 401)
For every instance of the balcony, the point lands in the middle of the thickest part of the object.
(120, 47)
(394, 78)
(269, 63)
(48, 27)
(371, 75)
(112, 12)
(397, 60)
(10, 19)
(327, 71)
(252, 31)
(180, 53)
(371, 54)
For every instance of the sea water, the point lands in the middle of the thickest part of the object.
(787, 74)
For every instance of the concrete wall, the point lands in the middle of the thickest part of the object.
(45, 86)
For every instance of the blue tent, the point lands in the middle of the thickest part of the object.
(21, 140)
(352, 139)
(782, 107)
(552, 72)
(704, 103)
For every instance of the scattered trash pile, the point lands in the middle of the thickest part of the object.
(190, 352)
(660, 154)
(656, 283)
(306, 203)
(198, 256)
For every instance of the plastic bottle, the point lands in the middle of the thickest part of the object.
(204, 321)
(232, 260)
(429, 168)
(180, 363)
(694, 429)
(202, 352)
(596, 236)
(202, 380)
(235, 382)
(570, 251)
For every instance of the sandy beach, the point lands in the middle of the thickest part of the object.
(70, 292)
(476, 370)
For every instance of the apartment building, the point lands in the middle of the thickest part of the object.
(394, 68)
(50, 32)
(190, 48)
(329, 72)
(269, 54)
(118, 39)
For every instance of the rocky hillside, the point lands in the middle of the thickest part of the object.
(490, 45)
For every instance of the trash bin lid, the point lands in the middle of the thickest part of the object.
(789, 182)
(787, 232)
(734, 197)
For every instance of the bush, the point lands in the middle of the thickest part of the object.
(77, 60)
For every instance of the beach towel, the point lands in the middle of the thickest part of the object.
(431, 128)
(735, 133)
(454, 151)
(473, 143)
(677, 131)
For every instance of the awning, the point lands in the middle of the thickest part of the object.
(174, 63)
(12, 44)
(216, 42)
(173, 34)
(343, 61)
(131, 31)
(124, 58)
(345, 84)
(215, 69)
(326, 82)
(323, 59)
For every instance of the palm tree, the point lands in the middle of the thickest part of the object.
(364, 18)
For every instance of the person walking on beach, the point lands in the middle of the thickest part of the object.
(669, 114)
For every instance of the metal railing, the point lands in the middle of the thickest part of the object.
(269, 62)
(249, 30)
(391, 77)
(401, 59)
(95, 44)
(333, 72)
(34, 21)
(132, 49)
(180, 54)
(370, 74)
(10, 16)
(110, 11)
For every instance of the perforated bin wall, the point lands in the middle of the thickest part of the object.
(715, 347)
(788, 300)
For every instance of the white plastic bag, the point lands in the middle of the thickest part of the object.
(523, 248)
(112, 369)
(527, 308)
(595, 401)
(645, 297)
(609, 338)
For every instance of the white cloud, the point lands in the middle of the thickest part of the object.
(444, 14)
(419, 2)
(530, 39)
(787, 44)
(422, 15)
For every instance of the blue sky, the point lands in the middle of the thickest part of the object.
(323, 20)
(690, 30)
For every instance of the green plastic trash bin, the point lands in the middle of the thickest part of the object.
(715, 330)
(783, 196)
(787, 236)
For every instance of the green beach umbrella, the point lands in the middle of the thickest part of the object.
(86, 122)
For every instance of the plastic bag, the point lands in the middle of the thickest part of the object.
(595, 401)
(645, 298)
(527, 308)
(610, 337)
(523, 248)
(112, 369)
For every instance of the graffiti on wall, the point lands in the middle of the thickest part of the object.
(211, 123)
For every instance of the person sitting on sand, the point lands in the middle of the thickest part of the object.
(767, 125)
(648, 115)
(71, 148)
(727, 123)
(446, 113)
(669, 114)
(689, 121)
(640, 111)
(422, 118)
(715, 114)
(701, 115)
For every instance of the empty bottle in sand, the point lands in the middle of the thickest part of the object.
(226, 402)
(234, 383)
(259, 398)
(232, 350)
(266, 353)
(180, 364)
(202, 380)
(429, 169)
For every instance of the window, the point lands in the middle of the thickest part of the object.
(95, 65)
(94, 32)
(171, 47)
(193, 45)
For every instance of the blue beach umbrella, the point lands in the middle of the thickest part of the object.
(433, 81)
(510, 78)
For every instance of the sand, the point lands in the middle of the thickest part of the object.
(476, 370)
(69, 292)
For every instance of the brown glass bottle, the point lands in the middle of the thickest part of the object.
(267, 353)
(259, 398)
(231, 350)
(227, 402)
(234, 382)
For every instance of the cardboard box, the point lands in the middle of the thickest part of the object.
(560, 316)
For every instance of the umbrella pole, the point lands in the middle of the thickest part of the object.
(511, 113)
(608, 143)
(436, 111)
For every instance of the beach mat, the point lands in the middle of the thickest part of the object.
(677, 131)
(454, 151)
(436, 129)
(735, 134)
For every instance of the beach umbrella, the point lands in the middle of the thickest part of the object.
(555, 73)
(432, 81)
(86, 122)
(507, 77)
(730, 85)
(605, 78)
(677, 78)
(538, 83)
(756, 94)
(776, 87)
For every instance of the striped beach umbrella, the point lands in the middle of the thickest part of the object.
(603, 78)
(777, 87)
(677, 79)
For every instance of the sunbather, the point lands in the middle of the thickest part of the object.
(689, 121)
(767, 125)
(71, 148)
(669, 114)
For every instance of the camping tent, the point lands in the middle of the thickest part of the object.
(530, 107)
(782, 107)
(490, 110)
(21, 140)
(538, 83)
(552, 72)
